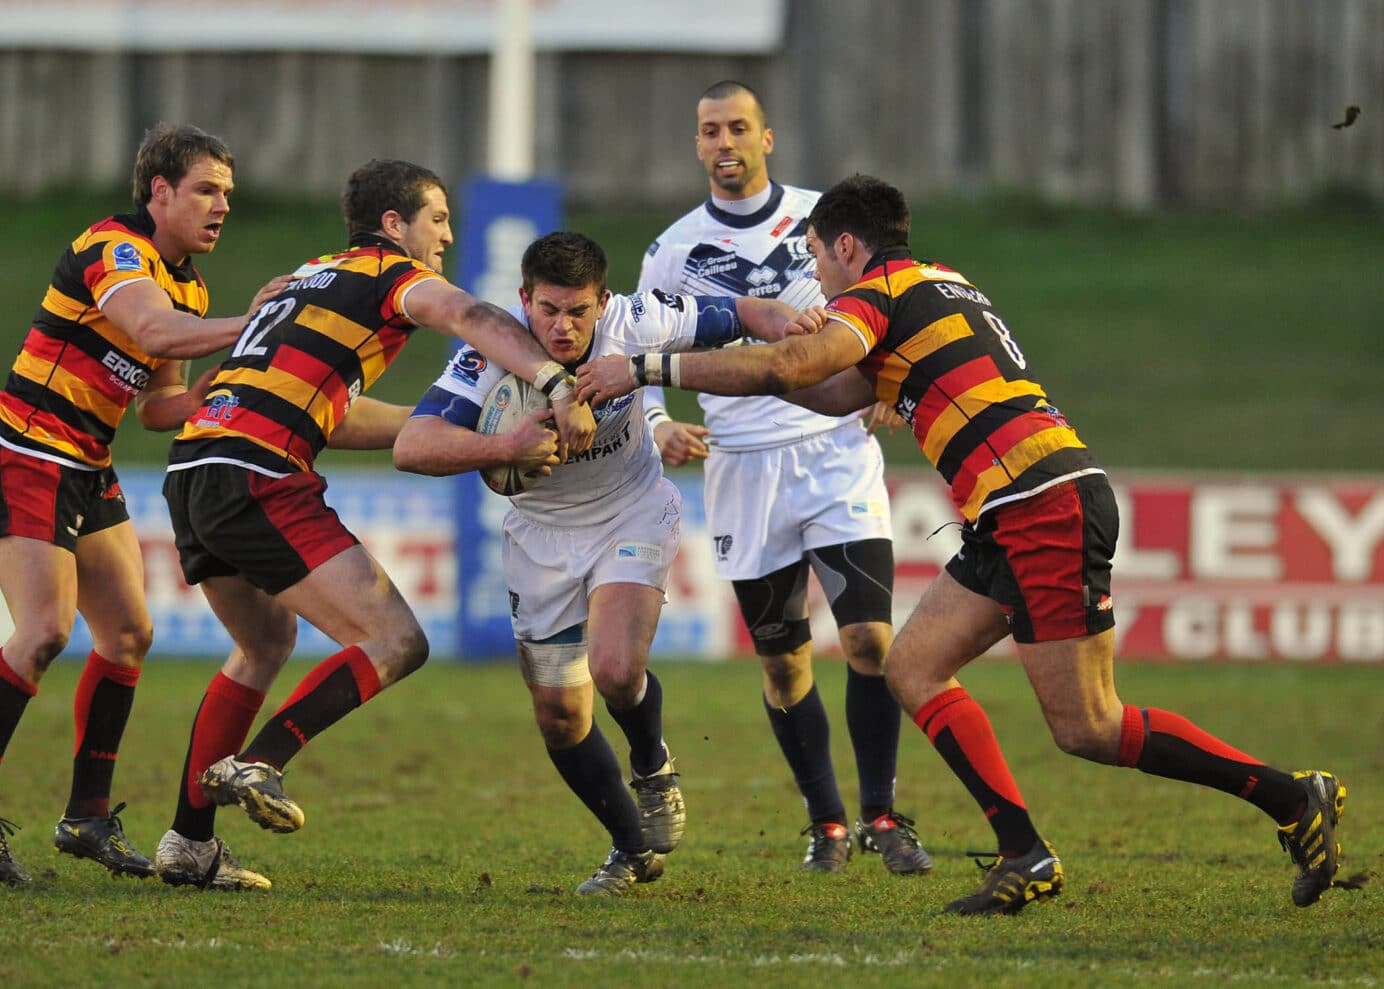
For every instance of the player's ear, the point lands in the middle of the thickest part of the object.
(600, 306)
(768, 140)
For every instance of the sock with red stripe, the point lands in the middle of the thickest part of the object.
(804, 736)
(963, 737)
(222, 724)
(336, 687)
(591, 771)
(15, 692)
(100, 710)
(1161, 743)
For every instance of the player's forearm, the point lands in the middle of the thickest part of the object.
(432, 446)
(764, 319)
(370, 425)
(165, 409)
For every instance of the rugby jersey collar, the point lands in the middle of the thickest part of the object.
(747, 220)
(375, 240)
(881, 258)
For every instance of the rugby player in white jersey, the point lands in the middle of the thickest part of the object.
(588, 546)
(786, 489)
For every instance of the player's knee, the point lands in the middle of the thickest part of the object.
(1085, 740)
(414, 650)
(132, 643)
(561, 728)
(42, 642)
(866, 645)
(618, 680)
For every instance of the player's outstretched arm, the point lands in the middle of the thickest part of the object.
(794, 362)
(843, 393)
(144, 311)
(369, 425)
(504, 340)
(429, 444)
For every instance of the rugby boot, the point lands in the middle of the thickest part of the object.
(1311, 839)
(892, 836)
(620, 872)
(257, 788)
(828, 847)
(662, 813)
(1010, 884)
(11, 872)
(102, 839)
(207, 864)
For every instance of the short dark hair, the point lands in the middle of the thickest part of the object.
(171, 150)
(565, 259)
(868, 208)
(381, 185)
(727, 88)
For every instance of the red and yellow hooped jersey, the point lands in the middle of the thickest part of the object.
(77, 372)
(940, 355)
(302, 359)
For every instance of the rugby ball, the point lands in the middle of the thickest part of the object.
(504, 408)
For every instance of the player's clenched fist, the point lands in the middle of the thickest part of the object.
(606, 378)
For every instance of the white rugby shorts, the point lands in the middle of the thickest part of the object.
(766, 508)
(552, 570)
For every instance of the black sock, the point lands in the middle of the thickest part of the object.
(873, 718)
(12, 704)
(804, 735)
(592, 772)
(643, 728)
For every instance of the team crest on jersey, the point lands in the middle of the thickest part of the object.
(467, 365)
(127, 257)
(653, 249)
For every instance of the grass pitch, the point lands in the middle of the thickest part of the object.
(442, 849)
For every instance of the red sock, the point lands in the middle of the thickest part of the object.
(223, 723)
(963, 737)
(1161, 743)
(335, 687)
(100, 710)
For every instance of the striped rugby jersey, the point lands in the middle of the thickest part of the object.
(301, 361)
(940, 355)
(77, 372)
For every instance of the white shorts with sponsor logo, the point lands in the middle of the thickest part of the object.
(767, 508)
(552, 570)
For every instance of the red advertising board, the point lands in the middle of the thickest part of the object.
(1277, 568)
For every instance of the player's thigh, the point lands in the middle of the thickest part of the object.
(949, 627)
(1074, 681)
(263, 628)
(545, 572)
(351, 599)
(39, 582)
(110, 593)
(621, 627)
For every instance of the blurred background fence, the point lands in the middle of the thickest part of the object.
(1128, 103)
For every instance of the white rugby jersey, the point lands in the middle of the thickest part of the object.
(623, 462)
(764, 253)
